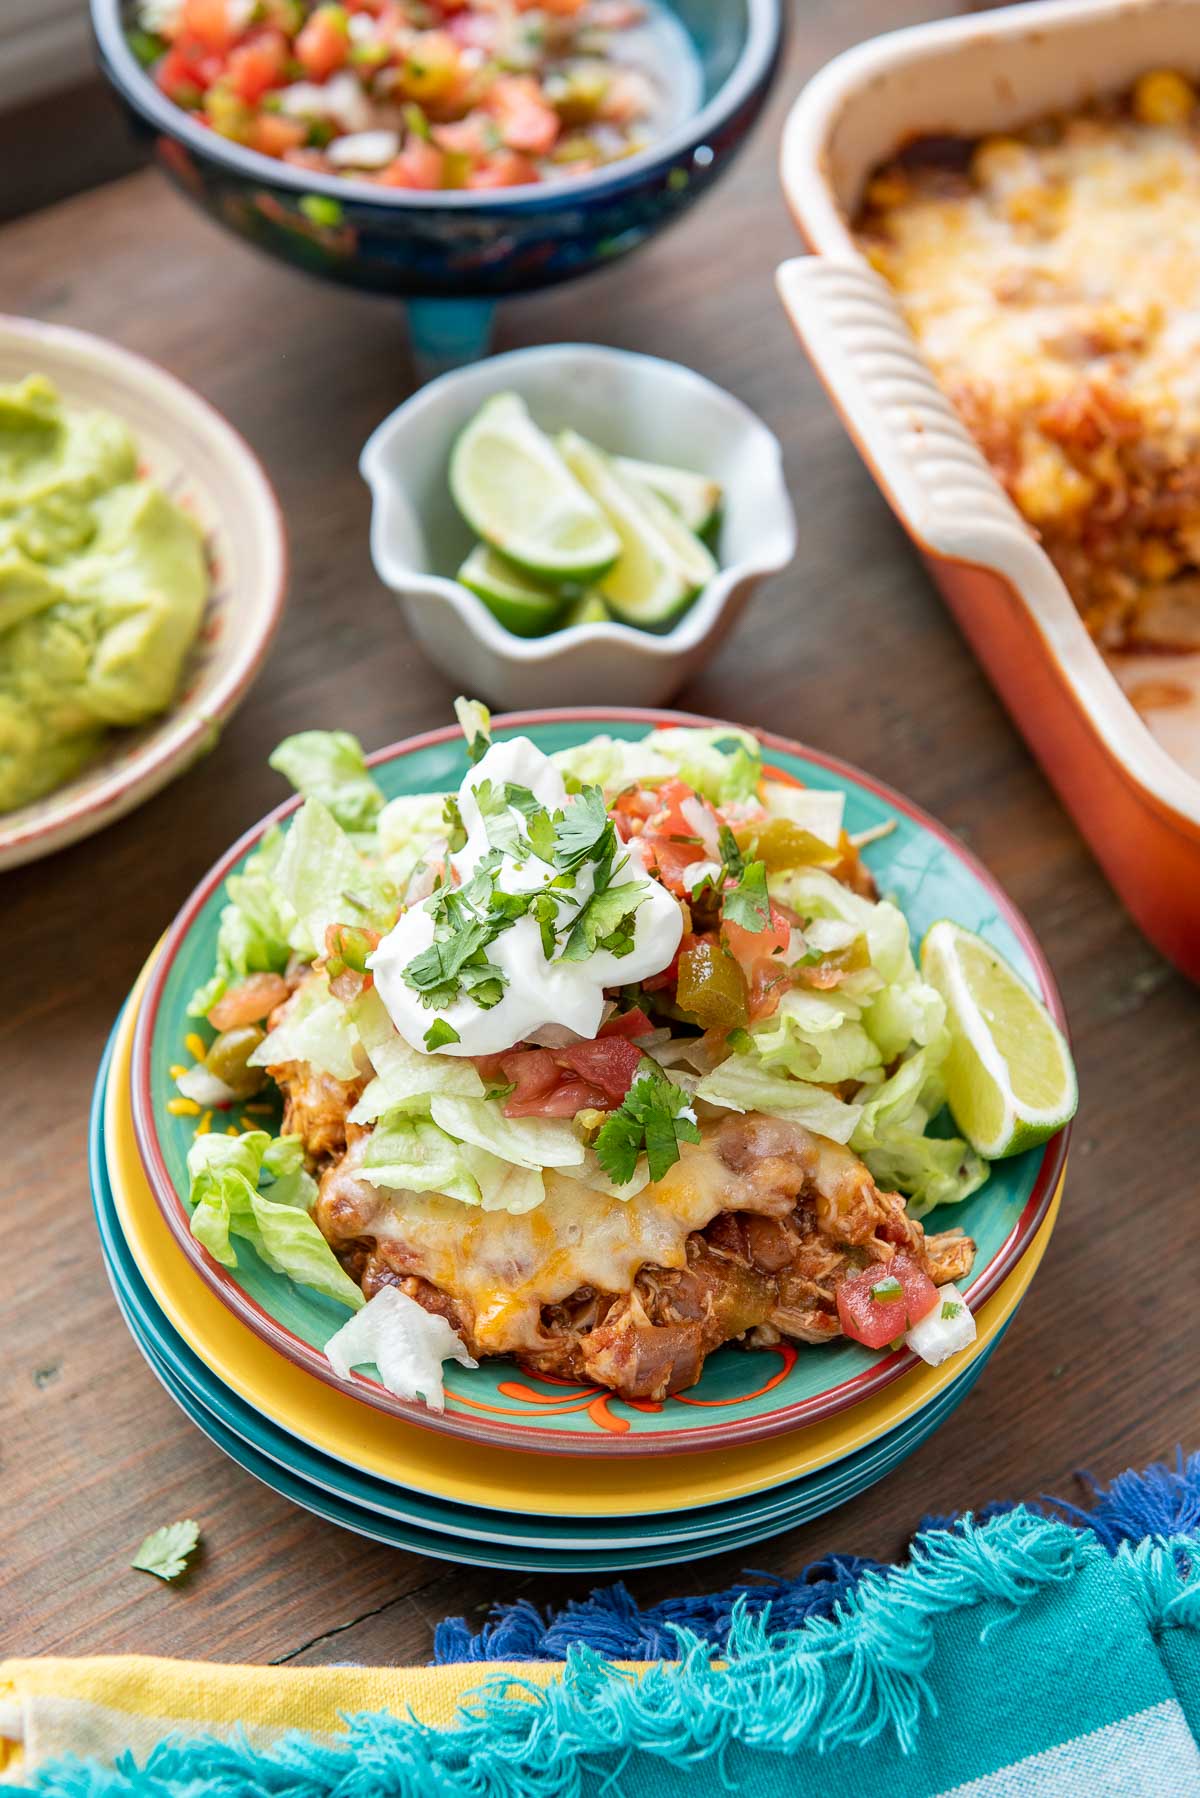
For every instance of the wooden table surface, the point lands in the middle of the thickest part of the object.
(851, 651)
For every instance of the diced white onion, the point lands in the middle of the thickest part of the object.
(406, 1343)
(341, 99)
(364, 150)
(204, 1087)
(939, 1336)
(701, 823)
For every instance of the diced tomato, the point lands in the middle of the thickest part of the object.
(257, 66)
(563, 1102)
(671, 861)
(534, 1072)
(505, 169)
(491, 1068)
(630, 1024)
(324, 43)
(769, 981)
(210, 23)
(746, 946)
(184, 78)
(631, 809)
(527, 122)
(877, 1321)
(274, 135)
(609, 1063)
(420, 165)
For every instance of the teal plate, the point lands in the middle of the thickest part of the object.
(742, 1397)
(299, 1469)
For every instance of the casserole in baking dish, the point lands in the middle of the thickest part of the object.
(1023, 92)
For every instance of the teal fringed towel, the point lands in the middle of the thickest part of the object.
(1010, 1658)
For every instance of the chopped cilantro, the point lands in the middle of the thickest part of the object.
(740, 1041)
(439, 1034)
(456, 835)
(606, 922)
(887, 1292)
(732, 859)
(655, 1116)
(442, 970)
(165, 1552)
(580, 828)
(950, 1311)
(500, 826)
(747, 904)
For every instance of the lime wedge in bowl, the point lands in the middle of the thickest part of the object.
(662, 566)
(520, 604)
(1010, 1080)
(589, 608)
(696, 499)
(514, 490)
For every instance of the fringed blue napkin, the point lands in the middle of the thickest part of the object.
(1019, 1653)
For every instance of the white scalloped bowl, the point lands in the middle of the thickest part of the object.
(189, 449)
(631, 405)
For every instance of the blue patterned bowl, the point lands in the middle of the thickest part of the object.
(468, 247)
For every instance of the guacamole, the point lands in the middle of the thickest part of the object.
(103, 581)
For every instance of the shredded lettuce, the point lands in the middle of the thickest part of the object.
(407, 1080)
(816, 1036)
(256, 923)
(742, 1083)
(413, 1154)
(329, 765)
(318, 1029)
(226, 1175)
(526, 1142)
(325, 880)
(409, 829)
(405, 1344)
(723, 764)
(890, 1137)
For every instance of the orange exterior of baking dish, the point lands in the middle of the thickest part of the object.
(1150, 854)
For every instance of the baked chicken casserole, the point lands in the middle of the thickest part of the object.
(1052, 278)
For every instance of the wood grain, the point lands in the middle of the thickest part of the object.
(851, 652)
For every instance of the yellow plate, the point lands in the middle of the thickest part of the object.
(463, 1472)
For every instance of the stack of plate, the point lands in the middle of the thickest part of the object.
(768, 1439)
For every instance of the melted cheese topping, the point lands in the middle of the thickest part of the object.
(504, 1268)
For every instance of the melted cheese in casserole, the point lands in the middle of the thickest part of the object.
(1047, 268)
(504, 1268)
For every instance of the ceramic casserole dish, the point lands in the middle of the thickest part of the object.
(1134, 794)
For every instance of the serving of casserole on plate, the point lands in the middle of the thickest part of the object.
(1004, 307)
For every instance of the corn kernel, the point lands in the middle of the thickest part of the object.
(232, 1130)
(1159, 561)
(195, 1046)
(1003, 162)
(891, 188)
(183, 1108)
(1162, 97)
(177, 1070)
(205, 1124)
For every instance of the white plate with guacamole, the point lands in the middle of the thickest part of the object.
(142, 571)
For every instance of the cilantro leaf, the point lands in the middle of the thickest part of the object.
(606, 922)
(165, 1552)
(732, 859)
(654, 1115)
(580, 828)
(439, 1034)
(456, 834)
(440, 971)
(747, 904)
(500, 827)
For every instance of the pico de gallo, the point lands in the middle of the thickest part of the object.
(418, 94)
(628, 1019)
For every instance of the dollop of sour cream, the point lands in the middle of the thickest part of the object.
(568, 995)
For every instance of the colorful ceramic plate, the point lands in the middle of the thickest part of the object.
(180, 1368)
(196, 456)
(742, 1397)
(333, 1423)
(463, 1533)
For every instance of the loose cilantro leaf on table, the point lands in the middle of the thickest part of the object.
(747, 903)
(165, 1552)
(654, 1116)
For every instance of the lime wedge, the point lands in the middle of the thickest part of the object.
(520, 604)
(696, 499)
(512, 487)
(1010, 1080)
(662, 566)
(589, 608)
